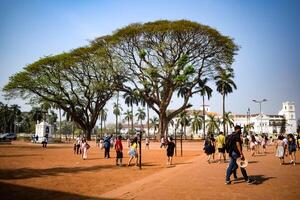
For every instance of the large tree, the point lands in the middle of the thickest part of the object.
(79, 82)
(163, 57)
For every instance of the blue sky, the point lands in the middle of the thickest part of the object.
(267, 65)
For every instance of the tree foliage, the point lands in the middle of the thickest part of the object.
(164, 57)
(79, 82)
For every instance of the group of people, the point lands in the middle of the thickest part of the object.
(107, 142)
(287, 146)
(81, 147)
(233, 145)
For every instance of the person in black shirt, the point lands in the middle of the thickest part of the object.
(233, 155)
(170, 150)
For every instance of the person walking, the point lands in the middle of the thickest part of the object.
(220, 142)
(280, 147)
(170, 151)
(162, 142)
(133, 152)
(147, 142)
(292, 147)
(78, 144)
(209, 148)
(84, 147)
(44, 142)
(119, 150)
(106, 146)
(252, 145)
(235, 152)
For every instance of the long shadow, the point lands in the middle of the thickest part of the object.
(261, 179)
(25, 173)
(258, 178)
(19, 155)
(12, 192)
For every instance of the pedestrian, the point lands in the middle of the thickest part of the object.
(209, 148)
(36, 139)
(264, 143)
(170, 151)
(280, 146)
(101, 142)
(292, 147)
(84, 146)
(106, 146)
(78, 144)
(133, 152)
(235, 152)
(128, 142)
(97, 141)
(220, 142)
(147, 142)
(112, 141)
(119, 150)
(162, 142)
(44, 142)
(252, 145)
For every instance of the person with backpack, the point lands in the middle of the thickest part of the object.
(233, 146)
(209, 147)
(106, 146)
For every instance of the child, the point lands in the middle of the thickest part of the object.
(280, 146)
(252, 145)
(170, 151)
(119, 149)
(292, 148)
(133, 152)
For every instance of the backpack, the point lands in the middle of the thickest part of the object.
(229, 143)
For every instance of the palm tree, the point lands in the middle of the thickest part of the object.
(212, 123)
(228, 120)
(130, 100)
(103, 117)
(128, 117)
(196, 122)
(154, 122)
(184, 121)
(204, 90)
(141, 115)
(117, 111)
(225, 85)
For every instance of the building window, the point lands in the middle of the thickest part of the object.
(291, 107)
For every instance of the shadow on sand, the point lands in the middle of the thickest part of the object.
(11, 192)
(258, 178)
(25, 173)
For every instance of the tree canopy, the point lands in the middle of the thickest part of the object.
(79, 82)
(164, 57)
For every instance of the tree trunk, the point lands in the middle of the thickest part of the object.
(163, 121)
(203, 116)
(131, 118)
(59, 123)
(148, 124)
(224, 129)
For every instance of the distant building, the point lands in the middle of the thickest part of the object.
(284, 121)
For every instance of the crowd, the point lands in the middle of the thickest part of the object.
(109, 142)
(234, 143)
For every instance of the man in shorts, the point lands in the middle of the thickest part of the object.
(220, 140)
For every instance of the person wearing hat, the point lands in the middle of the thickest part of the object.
(236, 153)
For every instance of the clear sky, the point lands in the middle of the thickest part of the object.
(267, 65)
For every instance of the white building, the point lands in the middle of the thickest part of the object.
(286, 119)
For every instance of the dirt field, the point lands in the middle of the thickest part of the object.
(29, 172)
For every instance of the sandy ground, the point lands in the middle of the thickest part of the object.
(29, 172)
